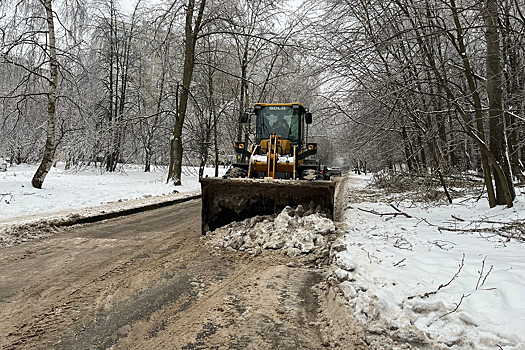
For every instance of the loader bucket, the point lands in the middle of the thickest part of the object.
(228, 200)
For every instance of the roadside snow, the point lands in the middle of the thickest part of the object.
(412, 279)
(77, 189)
(69, 196)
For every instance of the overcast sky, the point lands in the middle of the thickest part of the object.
(128, 5)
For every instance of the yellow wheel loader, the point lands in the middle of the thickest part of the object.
(277, 172)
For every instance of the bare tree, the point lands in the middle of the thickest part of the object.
(29, 59)
(50, 146)
(191, 30)
(116, 37)
(414, 71)
(505, 193)
(511, 26)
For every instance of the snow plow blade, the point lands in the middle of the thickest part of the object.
(228, 200)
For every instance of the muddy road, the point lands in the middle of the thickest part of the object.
(146, 281)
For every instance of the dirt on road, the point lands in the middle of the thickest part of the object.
(148, 281)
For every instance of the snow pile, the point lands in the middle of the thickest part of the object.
(294, 231)
(440, 277)
(19, 233)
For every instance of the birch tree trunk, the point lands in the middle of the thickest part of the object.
(50, 146)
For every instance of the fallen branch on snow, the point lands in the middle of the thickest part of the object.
(3, 195)
(402, 243)
(484, 221)
(399, 262)
(426, 295)
(457, 306)
(443, 244)
(514, 230)
(385, 214)
(457, 218)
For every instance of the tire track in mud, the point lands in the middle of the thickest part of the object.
(106, 327)
(56, 307)
(259, 308)
(258, 305)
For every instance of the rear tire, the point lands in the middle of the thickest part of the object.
(235, 173)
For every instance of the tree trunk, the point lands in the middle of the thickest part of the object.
(477, 103)
(498, 140)
(113, 91)
(514, 148)
(191, 33)
(244, 66)
(214, 121)
(406, 143)
(422, 153)
(50, 147)
(216, 142)
(513, 76)
(151, 131)
(452, 156)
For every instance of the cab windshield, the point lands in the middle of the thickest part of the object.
(282, 120)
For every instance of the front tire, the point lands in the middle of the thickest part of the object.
(310, 175)
(235, 173)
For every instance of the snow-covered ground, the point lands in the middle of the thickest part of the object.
(81, 188)
(413, 279)
(421, 279)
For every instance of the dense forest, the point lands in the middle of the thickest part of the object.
(419, 86)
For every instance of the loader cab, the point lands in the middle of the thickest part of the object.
(285, 120)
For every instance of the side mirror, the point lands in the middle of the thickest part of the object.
(308, 118)
(245, 117)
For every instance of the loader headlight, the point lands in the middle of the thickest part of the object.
(312, 146)
(240, 145)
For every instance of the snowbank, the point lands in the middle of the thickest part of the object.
(439, 277)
